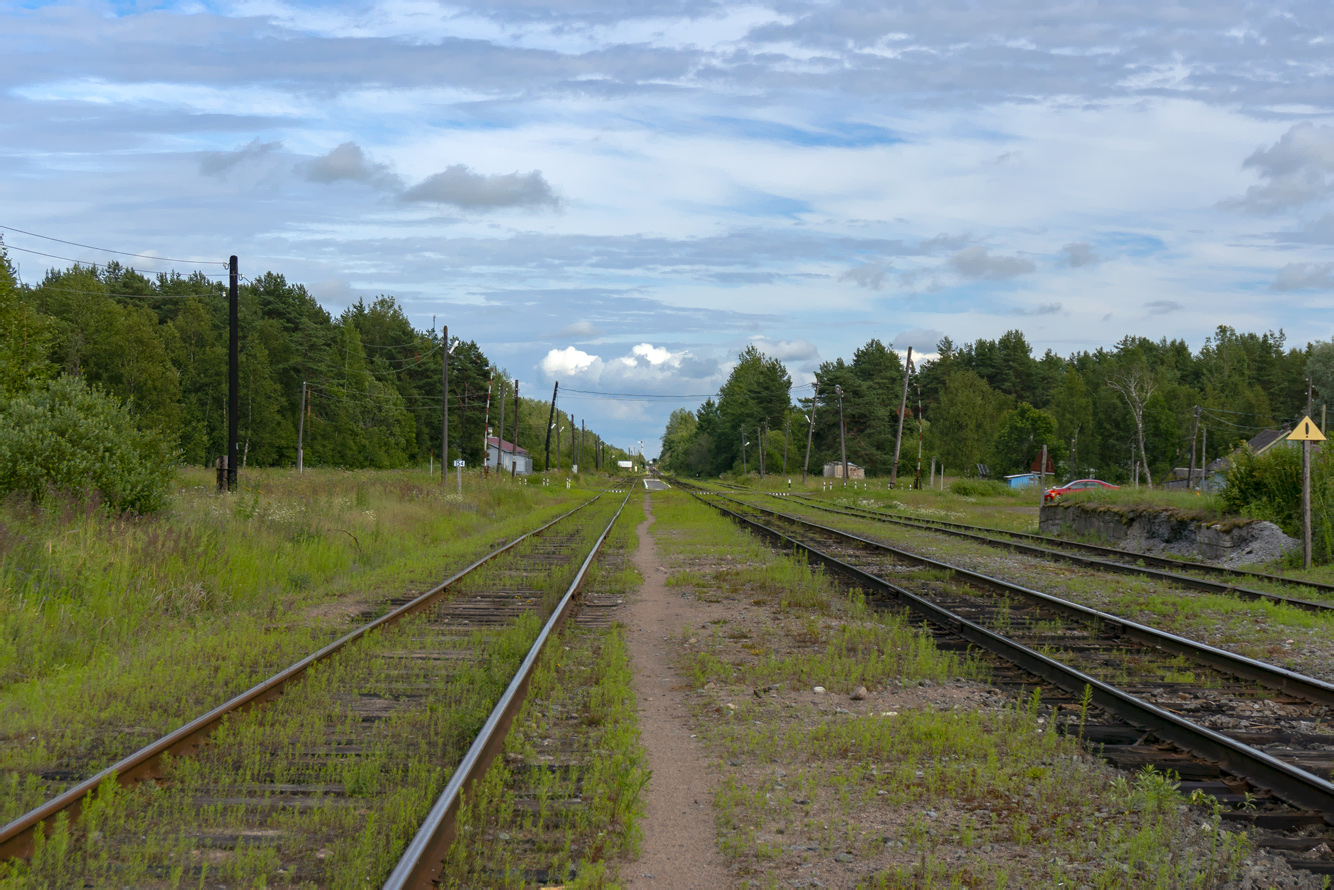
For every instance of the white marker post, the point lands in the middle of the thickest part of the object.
(458, 466)
(1306, 433)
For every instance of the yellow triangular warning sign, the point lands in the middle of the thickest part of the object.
(1306, 431)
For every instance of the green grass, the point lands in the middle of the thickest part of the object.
(98, 659)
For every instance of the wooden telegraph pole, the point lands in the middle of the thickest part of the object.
(903, 406)
(1306, 433)
(444, 404)
(233, 373)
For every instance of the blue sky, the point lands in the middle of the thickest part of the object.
(623, 195)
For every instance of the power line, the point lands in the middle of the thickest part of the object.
(145, 256)
(99, 265)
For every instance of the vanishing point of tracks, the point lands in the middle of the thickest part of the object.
(1252, 735)
(370, 720)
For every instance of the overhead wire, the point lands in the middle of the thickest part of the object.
(146, 256)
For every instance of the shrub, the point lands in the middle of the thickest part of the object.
(62, 435)
(983, 488)
(1269, 486)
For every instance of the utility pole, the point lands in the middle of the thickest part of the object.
(760, 433)
(233, 372)
(842, 435)
(903, 407)
(787, 434)
(918, 484)
(546, 464)
(444, 403)
(486, 424)
(1042, 475)
(743, 449)
(1194, 437)
(301, 427)
(1204, 455)
(500, 430)
(583, 433)
(810, 433)
(514, 464)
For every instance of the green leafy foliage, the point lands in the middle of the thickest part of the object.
(63, 435)
(1269, 486)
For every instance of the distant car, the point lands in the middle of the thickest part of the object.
(1052, 494)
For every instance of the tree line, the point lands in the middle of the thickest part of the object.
(158, 344)
(1128, 412)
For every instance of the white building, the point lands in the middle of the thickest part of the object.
(508, 455)
(835, 470)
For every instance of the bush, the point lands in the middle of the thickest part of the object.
(62, 435)
(1269, 486)
(984, 488)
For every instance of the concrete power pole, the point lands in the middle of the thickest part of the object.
(444, 403)
(842, 434)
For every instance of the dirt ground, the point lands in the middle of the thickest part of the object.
(680, 847)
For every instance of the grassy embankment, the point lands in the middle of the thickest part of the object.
(379, 789)
(114, 630)
(930, 781)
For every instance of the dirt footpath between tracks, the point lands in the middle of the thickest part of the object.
(680, 847)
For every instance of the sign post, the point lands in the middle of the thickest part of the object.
(1306, 433)
(458, 467)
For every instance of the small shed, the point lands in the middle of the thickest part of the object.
(507, 455)
(835, 470)
(1023, 480)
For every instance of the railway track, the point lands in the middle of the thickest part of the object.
(340, 764)
(1252, 735)
(1095, 556)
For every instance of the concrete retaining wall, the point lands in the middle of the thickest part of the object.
(1167, 531)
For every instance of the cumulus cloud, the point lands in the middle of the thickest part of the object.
(976, 262)
(220, 163)
(1300, 276)
(869, 275)
(349, 162)
(922, 340)
(1293, 171)
(1079, 254)
(645, 368)
(1163, 307)
(460, 186)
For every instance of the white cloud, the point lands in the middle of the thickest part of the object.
(569, 362)
(348, 162)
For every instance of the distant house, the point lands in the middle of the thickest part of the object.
(1267, 439)
(507, 455)
(835, 470)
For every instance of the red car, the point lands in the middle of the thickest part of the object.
(1052, 494)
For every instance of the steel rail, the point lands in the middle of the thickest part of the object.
(17, 838)
(1105, 565)
(1282, 679)
(422, 862)
(1166, 562)
(1289, 783)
